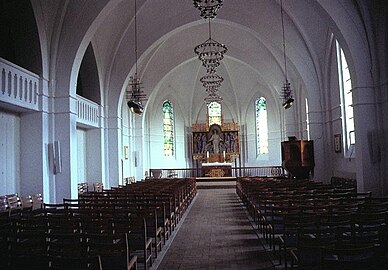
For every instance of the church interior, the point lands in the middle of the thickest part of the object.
(155, 108)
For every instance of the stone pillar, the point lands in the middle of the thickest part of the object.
(367, 172)
(65, 119)
(113, 148)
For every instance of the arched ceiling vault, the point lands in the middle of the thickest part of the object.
(251, 32)
(168, 31)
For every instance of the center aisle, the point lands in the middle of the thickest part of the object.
(216, 234)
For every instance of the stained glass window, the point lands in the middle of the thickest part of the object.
(214, 111)
(168, 128)
(345, 86)
(261, 126)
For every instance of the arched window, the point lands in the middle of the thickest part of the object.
(214, 111)
(168, 128)
(345, 87)
(261, 126)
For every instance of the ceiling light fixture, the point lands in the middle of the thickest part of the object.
(134, 93)
(211, 81)
(286, 94)
(210, 53)
(208, 8)
(213, 97)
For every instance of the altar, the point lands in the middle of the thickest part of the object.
(217, 169)
(215, 148)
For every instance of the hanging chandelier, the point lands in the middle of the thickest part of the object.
(134, 94)
(213, 97)
(286, 92)
(210, 52)
(208, 8)
(288, 100)
(211, 81)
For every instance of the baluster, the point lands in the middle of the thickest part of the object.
(20, 87)
(78, 108)
(29, 92)
(9, 83)
(35, 93)
(3, 81)
(83, 111)
(24, 94)
(15, 86)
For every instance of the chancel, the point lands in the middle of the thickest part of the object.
(196, 134)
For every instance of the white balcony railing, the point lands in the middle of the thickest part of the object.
(88, 112)
(18, 86)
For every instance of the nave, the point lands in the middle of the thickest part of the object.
(216, 234)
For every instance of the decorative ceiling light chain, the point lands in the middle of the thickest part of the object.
(208, 8)
(134, 93)
(286, 93)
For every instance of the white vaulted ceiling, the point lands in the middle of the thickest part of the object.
(168, 31)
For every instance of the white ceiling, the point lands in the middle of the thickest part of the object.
(168, 31)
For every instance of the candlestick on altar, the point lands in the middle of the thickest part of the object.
(224, 156)
(207, 156)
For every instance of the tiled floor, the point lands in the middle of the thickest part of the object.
(216, 234)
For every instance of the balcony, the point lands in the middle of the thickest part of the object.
(18, 86)
(88, 113)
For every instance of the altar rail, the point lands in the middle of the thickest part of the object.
(266, 171)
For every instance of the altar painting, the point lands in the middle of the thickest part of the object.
(215, 142)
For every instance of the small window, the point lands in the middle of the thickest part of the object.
(168, 129)
(307, 120)
(261, 126)
(214, 111)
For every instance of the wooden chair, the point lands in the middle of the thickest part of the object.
(26, 203)
(26, 250)
(92, 225)
(348, 258)
(5, 229)
(98, 187)
(13, 203)
(114, 253)
(30, 224)
(3, 204)
(74, 263)
(139, 242)
(310, 242)
(68, 251)
(294, 223)
(154, 229)
(54, 210)
(37, 202)
(82, 188)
